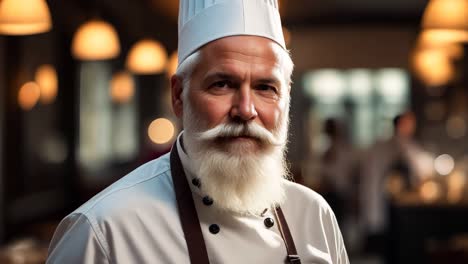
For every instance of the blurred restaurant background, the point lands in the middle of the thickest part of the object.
(378, 115)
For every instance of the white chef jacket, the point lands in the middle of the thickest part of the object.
(136, 220)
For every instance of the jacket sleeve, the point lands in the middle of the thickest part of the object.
(75, 241)
(335, 239)
(341, 254)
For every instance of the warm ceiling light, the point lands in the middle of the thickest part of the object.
(449, 17)
(172, 63)
(434, 39)
(95, 40)
(430, 191)
(161, 131)
(122, 87)
(46, 78)
(147, 57)
(24, 17)
(28, 95)
(433, 67)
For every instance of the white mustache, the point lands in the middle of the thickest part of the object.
(253, 130)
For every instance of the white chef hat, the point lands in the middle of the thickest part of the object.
(202, 21)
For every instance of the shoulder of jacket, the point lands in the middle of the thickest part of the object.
(152, 173)
(299, 194)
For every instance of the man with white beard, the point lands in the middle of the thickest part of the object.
(221, 195)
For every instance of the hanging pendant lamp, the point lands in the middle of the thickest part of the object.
(95, 40)
(447, 20)
(147, 56)
(24, 17)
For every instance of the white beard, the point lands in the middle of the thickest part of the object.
(245, 183)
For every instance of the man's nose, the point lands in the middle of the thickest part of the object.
(243, 107)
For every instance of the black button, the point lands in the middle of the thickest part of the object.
(214, 229)
(207, 200)
(196, 182)
(269, 222)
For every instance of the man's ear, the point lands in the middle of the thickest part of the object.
(176, 95)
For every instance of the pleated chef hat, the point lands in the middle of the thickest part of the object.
(202, 21)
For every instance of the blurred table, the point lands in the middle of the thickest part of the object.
(418, 230)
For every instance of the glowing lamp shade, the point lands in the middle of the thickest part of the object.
(161, 131)
(430, 39)
(46, 78)
(449, 17)
(433, 67)
(122, 87)
(95, 40)
(147, 57)
(172, 63)
(24, 17)
(28, 95)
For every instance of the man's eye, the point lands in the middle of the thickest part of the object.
(220, 84)
(266, 87)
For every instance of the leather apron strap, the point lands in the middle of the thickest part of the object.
(191, 224)
(283, 227)
(188, 214)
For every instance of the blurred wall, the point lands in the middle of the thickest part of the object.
(351, 47)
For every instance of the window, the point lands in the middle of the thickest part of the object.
(365, 99)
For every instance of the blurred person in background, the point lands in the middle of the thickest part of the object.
(339, 173)
(391, 168)
(221, 195)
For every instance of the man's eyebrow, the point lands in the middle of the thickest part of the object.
(228, 76)
(272, 80)
(220, 75)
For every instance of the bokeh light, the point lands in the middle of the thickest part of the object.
(147, 57)
(46, 78)
(444, 164)
(161, 131)
(430, 191)
(448, 17)
(96, 40)
(28, 95)
(433, 67)
(122, 87)
(20, 17)
(455, 186)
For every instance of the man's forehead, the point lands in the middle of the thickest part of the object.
(247, 49)
(238, 69)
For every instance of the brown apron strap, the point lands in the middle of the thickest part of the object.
(188, 213)
(292, 257)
